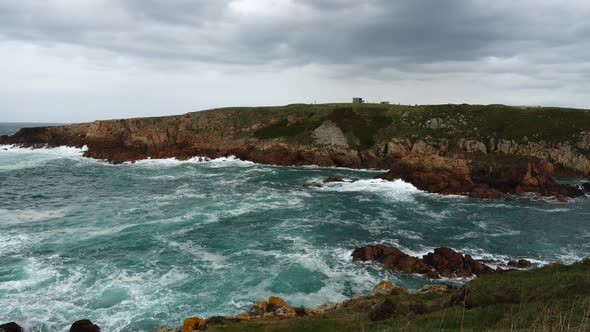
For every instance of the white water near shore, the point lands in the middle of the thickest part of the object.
(137, 245)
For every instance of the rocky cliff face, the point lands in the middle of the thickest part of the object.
(365, 136)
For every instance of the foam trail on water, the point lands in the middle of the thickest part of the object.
(396, 190)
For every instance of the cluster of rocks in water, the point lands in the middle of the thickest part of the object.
(482, 178)
(329, 179)
(443, 262)
(477, 179)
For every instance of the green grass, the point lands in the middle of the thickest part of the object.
(552, 298)
(368, 124)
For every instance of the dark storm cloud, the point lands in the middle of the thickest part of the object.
(409, 36)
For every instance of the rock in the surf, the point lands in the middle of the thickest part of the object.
(84, 325)
(11, 327)
(443, 262)
(521, 264)
(449, 263)
(333, 179)
(391, 258)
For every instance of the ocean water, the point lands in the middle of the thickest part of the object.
(136, 246)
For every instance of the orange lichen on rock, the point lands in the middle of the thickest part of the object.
(194, 324)
(383, 288)
(244, 316)
(276, 301)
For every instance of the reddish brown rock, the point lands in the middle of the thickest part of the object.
(442, 262)
(333, 179)
(11, 327)
(480, 178)
(391, 258)
(449, 263)
(194, 324)
(84, 325)
(521, 264)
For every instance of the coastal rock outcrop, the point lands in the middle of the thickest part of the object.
(443, 262)
(84, 325)
(448, 149)
(450, 264)
(480, 178)
(11, 327)
(194, 324)
(521, 264)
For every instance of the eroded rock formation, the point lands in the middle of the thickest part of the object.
(480, 178)
(443, 262)
(467, 149)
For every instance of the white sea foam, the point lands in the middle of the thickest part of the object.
(15, 217)
(397, 190)
(221, 162)
(214, 260)
(14, 158)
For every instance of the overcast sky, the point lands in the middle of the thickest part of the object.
(81, 60)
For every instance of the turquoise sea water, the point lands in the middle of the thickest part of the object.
(135, 246)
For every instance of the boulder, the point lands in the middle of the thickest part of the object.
(434, 288)
(11, 327)
(312, 185)
(333, 179)
(285, 312)
(521, 264)
(194, 324)
(391, 258)
(383, 288)
(276, 302)
(442, 262)
(258, 309)
(243, 316)
(449, 263)
(84, 325)
(585, 186)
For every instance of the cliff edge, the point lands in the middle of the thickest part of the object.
(346, 135)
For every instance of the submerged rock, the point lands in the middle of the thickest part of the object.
(84, 325)
(333, 179)
(312, 185)
(521, 264)
(11, 327)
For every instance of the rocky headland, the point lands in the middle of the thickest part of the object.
(480, 151)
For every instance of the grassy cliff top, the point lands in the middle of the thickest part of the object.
(551, 298)
(372, 123)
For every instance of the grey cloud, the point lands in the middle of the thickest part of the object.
(528, 44)
(382, 33)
